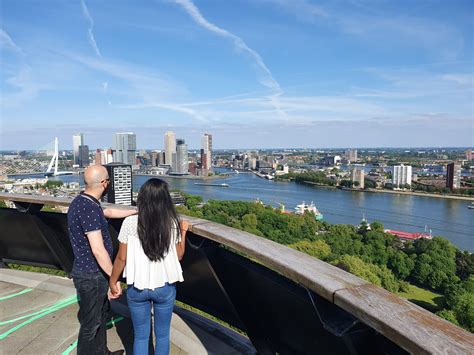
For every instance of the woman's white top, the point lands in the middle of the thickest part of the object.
(139, 270)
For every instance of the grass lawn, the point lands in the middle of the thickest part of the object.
(424, 298)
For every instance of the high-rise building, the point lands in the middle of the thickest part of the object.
(359, 177)
(104, 156)
(206, 148)
(109, 156)
(401, 175)
(154, 158)
(157, 157)
(453, 176)
(83, 156)
(351, 155)
(182, 163)
(332, 160)
(203, 160)
(125, 146)
(98, 157)
(77, 141)
(170, 147)
(120, 184)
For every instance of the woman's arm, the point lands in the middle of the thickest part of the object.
(180, 247)
(119, 265)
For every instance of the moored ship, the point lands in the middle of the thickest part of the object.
(303, 207)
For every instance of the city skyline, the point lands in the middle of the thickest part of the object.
(282, 74)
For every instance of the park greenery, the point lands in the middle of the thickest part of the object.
(316, 177)
(433, 273)
(442, 190)
(52, 184)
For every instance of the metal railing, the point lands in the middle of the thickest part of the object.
(286, 301)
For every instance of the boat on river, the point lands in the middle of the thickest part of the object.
(471, 206)
(407, 235)
(210, 184)
(303, 207)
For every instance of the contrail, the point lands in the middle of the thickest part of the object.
(266, 78)
(91, 27)
(6, 41)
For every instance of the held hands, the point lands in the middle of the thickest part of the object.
(115, 290)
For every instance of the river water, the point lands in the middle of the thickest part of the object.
(445, 217)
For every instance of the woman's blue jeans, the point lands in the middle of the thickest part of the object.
(140, 303)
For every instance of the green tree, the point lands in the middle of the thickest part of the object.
(464, 264)
(377, 226)
(400, 264)
(435, 262)
(369, 184)
(356, 266)
(463, 308)
(319, 249)
(51, 184)
(192, 201)
(249, 221)
(448, 315)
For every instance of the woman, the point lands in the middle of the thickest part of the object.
(151, 245)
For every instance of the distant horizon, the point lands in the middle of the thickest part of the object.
(272, 148)
(295, 72)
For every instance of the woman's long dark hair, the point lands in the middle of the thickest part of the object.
(157, 219)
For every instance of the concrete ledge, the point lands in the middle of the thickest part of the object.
(319, 276)
(403, 322)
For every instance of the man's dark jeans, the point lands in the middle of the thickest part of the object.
(93, 310)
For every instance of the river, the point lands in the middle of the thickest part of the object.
(445, 217)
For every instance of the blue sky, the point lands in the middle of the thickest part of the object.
(254, 73)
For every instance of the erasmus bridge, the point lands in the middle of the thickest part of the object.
(36, 162)
(54, 162)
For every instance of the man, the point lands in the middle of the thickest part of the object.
(92, 247)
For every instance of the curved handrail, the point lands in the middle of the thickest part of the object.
(406, 324)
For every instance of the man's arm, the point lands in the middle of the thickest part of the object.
(97, 245)
(119, 213)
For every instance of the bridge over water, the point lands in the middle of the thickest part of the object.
(285, 301)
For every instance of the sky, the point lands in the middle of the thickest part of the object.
(254, 73)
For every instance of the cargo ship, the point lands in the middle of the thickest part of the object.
(209, 184)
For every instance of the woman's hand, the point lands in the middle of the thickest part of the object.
(184, 226)
(115, 289)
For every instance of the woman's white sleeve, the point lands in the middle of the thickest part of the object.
(124, 231)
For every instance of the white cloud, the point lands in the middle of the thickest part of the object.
(7, 42)
(25, 88)
(461, 79)
(169, 107)
(265, 77)
(90, 33)
(137, 82)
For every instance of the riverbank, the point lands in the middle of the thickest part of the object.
(411, 193)
(422, 194)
